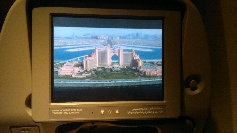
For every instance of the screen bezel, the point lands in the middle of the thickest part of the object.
(41, 63)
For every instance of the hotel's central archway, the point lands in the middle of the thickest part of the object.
(115, 58)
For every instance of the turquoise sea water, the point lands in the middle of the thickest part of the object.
(145, 53)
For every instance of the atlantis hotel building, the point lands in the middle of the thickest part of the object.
(103, 58)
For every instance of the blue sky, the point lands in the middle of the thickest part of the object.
(80, 31)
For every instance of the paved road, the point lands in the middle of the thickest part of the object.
(107, 81)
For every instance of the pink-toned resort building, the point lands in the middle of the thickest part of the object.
(103, 58)
(70, 68)
(151, 71)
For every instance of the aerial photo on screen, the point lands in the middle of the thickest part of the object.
(86, 56)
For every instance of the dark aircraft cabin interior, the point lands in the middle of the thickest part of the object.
(116, 66)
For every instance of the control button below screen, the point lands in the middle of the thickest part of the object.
(102, 111)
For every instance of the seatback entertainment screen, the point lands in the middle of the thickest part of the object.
(101, 58)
